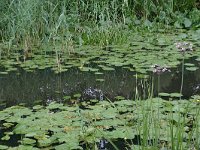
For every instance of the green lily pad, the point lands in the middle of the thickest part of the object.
(37, 107)
(77, 95)
(28, 141)
(164, 94)
(44, 142)
(68, 146)
(100, 80)
(8, 125)
(192, 68)
(189, 64)
(119, 97)
(98, 73)
(66, 97)
(6, 137)
(175, 95)
(2, 147)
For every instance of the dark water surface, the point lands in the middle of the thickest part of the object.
(45, 86)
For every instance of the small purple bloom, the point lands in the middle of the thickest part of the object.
(184, 46)
(160, 69)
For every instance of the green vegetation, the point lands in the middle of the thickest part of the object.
(142, 52)
(158, 123)
(142, 36)
(32, 22)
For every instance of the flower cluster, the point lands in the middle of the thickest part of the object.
(184, 46)
(160, 69)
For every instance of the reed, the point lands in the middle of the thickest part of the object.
(41, 21)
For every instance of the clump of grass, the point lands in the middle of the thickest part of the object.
(86, 22)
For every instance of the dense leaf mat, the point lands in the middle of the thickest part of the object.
(164, 123)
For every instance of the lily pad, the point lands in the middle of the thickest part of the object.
(164, 94)
(192, 68)
(175, 95)
(2, 147)
(28, 141)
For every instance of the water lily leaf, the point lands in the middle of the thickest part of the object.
(187, 23)
(198, 59)
(110, 113)
(6, 137)
(44, 142)
(2, 147)
(177, 25)
(54, 105)
(77, 95)
(164, 94)
(98, 73)
(66, 97)
(108, 68)
(119, 97)
(28, 141)
(85, 69)
(8, 125)
(147, 23)
(189, 64)
(25, 147)
(3, 73)
(100, 80)
(31, 134)
(68, 146)
(182, 35)
(37, 107)
(176, 95)
(192, 68)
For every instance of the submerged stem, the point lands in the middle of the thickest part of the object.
(158, 84)
(182, 76)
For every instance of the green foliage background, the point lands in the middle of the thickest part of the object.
(42, 20)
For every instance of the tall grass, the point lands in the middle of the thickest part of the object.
(88, 21)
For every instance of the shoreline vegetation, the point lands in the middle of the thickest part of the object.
(92, 22)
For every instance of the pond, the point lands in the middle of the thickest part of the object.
(43, 87)
(144, 94)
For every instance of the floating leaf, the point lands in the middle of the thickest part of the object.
(187, 23)
(100, 80)
(6, 137)
(77, 95)
(66, 97)
(189, 64)
(44, 142)
(8, 125)
(164, 94)
(119, 97)
(192, 68)
(176, 95)
(37, 107)
(28, 141)
(2, 147)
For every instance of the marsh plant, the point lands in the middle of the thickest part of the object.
(158, 70)
(89, 21)
(183, 47)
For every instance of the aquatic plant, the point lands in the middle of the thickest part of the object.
(157, 123)
(160, 69)
(184, 46)
(88, 22)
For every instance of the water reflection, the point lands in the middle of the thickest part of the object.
(45, 86)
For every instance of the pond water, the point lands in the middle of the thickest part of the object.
(45, 86)
(47, 80)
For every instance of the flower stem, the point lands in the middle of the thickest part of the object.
(182, 77)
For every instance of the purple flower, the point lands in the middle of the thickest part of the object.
(160, 69)
(184, 46)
